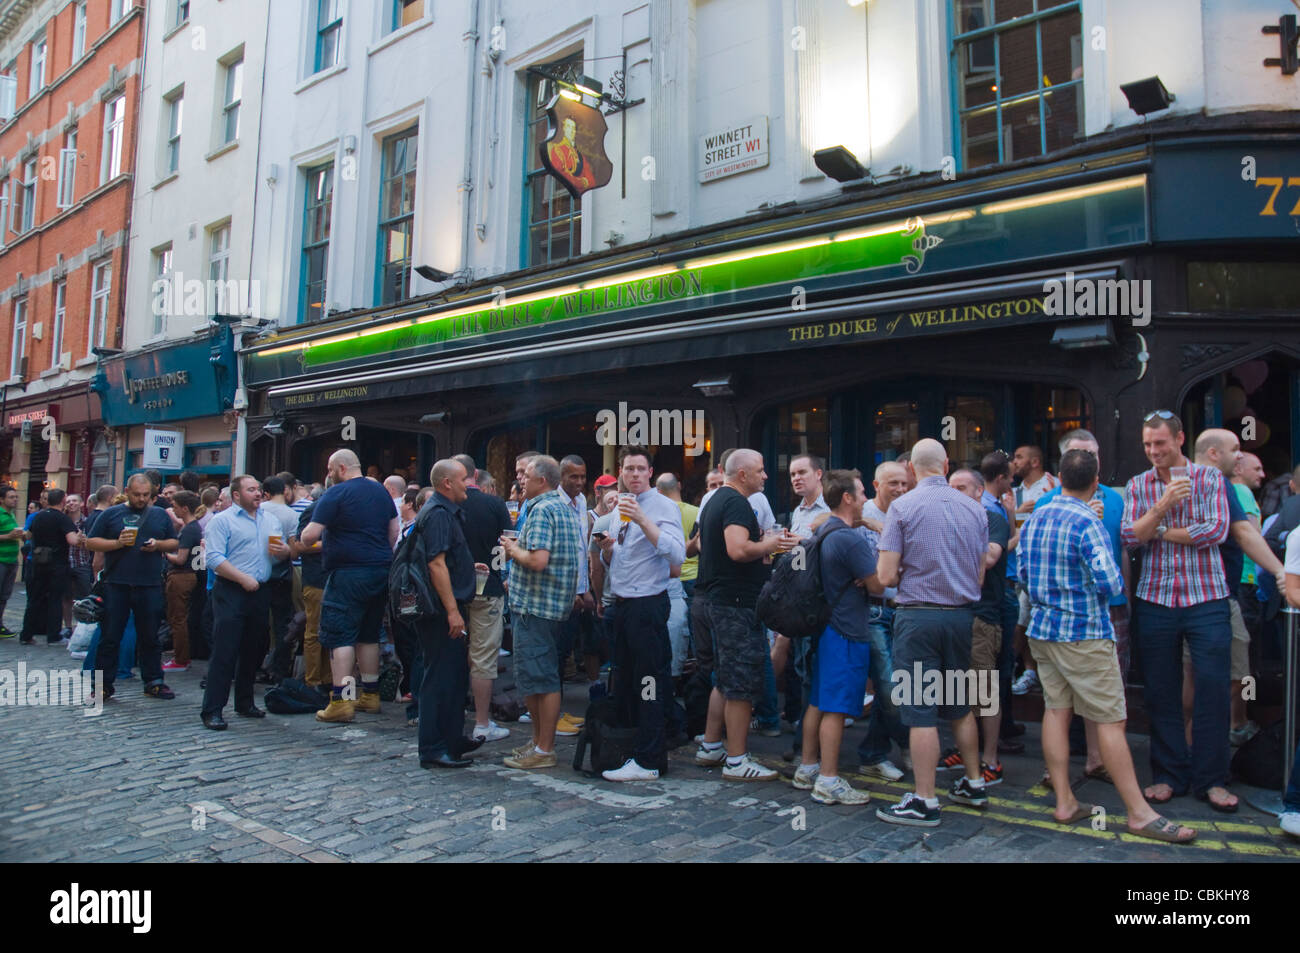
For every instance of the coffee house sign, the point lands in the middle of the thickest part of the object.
(135, 385)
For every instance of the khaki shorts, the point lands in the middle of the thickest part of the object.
(485, 635)
(986, 641)
(1083, 676)
(1239, 666)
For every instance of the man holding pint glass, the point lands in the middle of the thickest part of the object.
(242, 541)
(133, 536)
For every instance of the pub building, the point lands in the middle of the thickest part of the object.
(990, 311)
(170, 408)
(54, 438)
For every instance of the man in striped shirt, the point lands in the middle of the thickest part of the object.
(1179, 512)
(1069, 572)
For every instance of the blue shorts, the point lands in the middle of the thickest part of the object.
(352, 606)
(840, 671)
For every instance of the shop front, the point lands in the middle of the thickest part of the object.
(55, 439)
(990, 313)
(170, 408)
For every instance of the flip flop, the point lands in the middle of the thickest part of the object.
(1221, 808)
(1099, 773)
(1081, 812)
(1162, 829)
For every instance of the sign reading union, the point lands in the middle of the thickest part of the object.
(1006, 311)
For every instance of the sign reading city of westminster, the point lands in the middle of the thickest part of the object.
(574, 150)
(733, 149)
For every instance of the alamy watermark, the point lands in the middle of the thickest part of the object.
(49, 688)
(176, 295)
(1107, 297)
(950, 688)
(660, 428)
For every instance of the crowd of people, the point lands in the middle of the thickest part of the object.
(938, 583)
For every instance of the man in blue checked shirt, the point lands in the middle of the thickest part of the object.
(1068, 569)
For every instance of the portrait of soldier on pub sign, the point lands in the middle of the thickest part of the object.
(574, 150)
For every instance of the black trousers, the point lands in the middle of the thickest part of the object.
(144, 605)
(239, 633)
(281, 615)
(643, 683)
(442, 690)
(46, 586)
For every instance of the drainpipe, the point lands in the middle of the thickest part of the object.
(471, 38)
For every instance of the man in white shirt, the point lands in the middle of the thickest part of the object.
(396, 487)
(1027, 466)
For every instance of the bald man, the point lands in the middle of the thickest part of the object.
(356, 520)
(396, 487)
(933, 549)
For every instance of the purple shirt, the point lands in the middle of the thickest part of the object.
(941, 536)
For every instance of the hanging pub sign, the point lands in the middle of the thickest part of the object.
(574, 150)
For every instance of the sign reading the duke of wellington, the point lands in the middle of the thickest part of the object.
(732, 149)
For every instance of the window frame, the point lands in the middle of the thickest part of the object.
(175, 112)
(117, 10)
(100, 301)
(59, 323)
(18, 340)
(958, 48)
(66, 194)
(28, 214)
(535, 174)
(218, 258)
(110, 165)
(397, 6)
(334, 29)
(233, 76)
(406, 219)
(313, 246)
(182, 14)
(79, 31)
(161, 260)
(41, 56)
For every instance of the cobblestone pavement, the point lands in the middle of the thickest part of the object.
(145, 781)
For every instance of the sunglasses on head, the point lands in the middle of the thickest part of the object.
(1162, 414)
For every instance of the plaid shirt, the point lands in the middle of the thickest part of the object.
(1068, 570)
(79, 557)
(941, 536)
(1174, 574)
(552, 525)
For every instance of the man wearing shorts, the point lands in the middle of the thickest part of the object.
(732, 573)
(543, 585)
(356, 519)
(842, 660)
(933, 548)
(1069, 571)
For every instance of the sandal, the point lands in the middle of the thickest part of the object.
(1080, 813)
(1099, 773)
(1151, 799)
(1162, 829)
(1220, 806)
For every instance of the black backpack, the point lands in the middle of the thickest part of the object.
(411, 598)
(294, 697)
(1259, 761)
(610, 741)
(792, 602)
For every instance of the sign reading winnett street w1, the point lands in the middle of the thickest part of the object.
(733, 149)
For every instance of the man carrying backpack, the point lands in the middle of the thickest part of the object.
(642, 555)
(441, 530)
(841, 662)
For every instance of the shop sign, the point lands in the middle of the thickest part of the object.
(574, 150)
(732, 149)
(16, 419)
(1255, 188)
(923, 321)
(335, 395)
(181, 382)
(164, 449)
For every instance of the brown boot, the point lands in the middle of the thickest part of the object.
(337, 710)
(368, 702)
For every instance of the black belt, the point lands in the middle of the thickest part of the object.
(934, 605)
(619, 600)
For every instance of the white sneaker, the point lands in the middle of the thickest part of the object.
(699, 739)
(1025, 682)
(1290, 823)
(848, 722)
(838, 791)
(711, 759)
(748, 770)
(525, 719)
(493, 732)
(885, 770)
(631, 771)
(805, 777)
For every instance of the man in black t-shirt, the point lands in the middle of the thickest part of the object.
(133, 536)
(732, 571)
(52, 534)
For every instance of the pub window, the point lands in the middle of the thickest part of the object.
(1019, 75)
(1242, 285)
(552, 217)
(316, 240)
(801, 427)
(1057, 411)
(897, 427)
(974, 421)
(396, 214)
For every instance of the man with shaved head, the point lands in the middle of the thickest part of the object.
(133, 536)
(356, 520)
(933, 549)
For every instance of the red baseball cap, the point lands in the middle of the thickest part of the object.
(605, 480)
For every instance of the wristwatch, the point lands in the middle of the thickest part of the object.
(1161, 530)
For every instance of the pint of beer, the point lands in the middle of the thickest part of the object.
(625, 497)
(272, 541)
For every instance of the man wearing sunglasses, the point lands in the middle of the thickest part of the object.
(1179, 511)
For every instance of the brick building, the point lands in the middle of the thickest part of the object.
(69, 95)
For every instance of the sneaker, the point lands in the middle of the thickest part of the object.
(805, 779)
(523, 749)
(1289, 821)
(573, 719)
(173, 667)
(992, 773)
(337, 711)
(756, 729)
(711, 759)
(951, 760)
(631, 771)
(413, 723)
(911, 811)
(1239, 736)
(6, 632)
(885, 770)
(532, 760)
(159, 690)
(747, 770)
(565, 728)
(367, 702)
(848, 722)
(1025, 683)
(963, 792)
(838, 791)
(493, 732)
